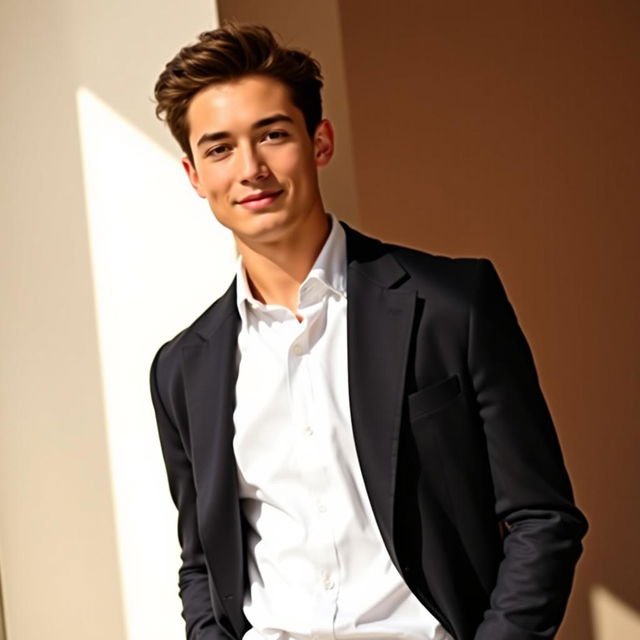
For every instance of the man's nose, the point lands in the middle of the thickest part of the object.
(253, 166)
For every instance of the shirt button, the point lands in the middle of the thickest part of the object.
(297, 349)
(327, 583)
(322, 508)
(308, 430)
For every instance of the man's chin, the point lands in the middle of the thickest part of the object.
(267, 228)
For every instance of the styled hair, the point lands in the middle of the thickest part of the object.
(227, 54)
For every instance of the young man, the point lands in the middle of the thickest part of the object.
(354, 433)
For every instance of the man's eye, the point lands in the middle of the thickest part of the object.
(275, 135)
(217, 151)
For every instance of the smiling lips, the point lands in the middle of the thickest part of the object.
(259, 200)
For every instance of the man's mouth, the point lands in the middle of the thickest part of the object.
(260, 200)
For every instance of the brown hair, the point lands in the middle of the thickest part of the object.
(226, 54)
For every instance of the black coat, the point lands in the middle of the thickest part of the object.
(457, 448)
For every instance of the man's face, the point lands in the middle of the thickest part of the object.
(254, 160)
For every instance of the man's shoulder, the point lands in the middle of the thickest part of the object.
(426, 271)
(201, 329)
(419, 262)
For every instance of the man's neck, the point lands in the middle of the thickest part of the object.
(275, 271)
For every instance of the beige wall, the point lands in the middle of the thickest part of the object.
(59, 562)
(59, 565)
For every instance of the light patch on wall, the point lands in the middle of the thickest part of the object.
(613, 619)
(159, 259)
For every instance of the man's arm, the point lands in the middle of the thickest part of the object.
(533, 495)
(193, 580)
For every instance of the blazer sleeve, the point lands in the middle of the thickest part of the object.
(533, 495)
(193, 580)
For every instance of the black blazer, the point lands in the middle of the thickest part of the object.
(458, 451)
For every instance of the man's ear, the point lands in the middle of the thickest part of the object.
(194, 179)
(323, 143)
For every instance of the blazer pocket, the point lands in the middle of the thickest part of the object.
(434, 397)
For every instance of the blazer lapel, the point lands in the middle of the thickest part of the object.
(210, 374)
(379, 323)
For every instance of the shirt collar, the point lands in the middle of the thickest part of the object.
(330, 268)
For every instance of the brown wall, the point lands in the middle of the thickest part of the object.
(511, 130)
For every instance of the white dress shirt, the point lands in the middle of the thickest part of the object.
(318, 568)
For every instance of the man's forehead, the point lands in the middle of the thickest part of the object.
(240, 102)
(248, 91)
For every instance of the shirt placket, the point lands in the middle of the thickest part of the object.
(313, 462)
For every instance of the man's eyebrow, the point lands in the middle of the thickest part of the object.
(264, 122)
(212, 137)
